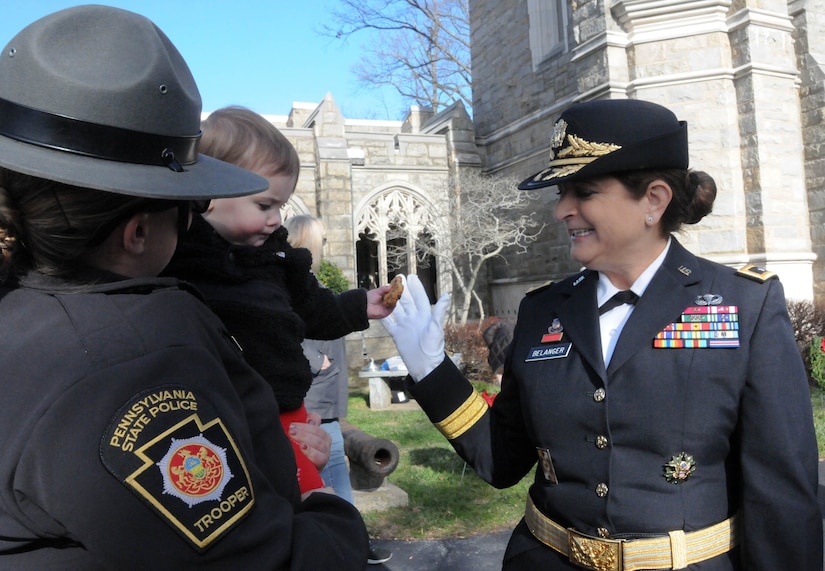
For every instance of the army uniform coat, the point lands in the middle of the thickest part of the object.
(133, 435)
(743, 414)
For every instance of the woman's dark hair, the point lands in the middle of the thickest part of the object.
(693, 194)
(53, 227)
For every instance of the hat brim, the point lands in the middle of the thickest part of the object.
(207, 178)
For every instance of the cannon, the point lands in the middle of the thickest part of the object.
(371, 459)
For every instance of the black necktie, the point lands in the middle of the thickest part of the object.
(618, 299)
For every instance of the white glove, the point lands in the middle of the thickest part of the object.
(418, 329)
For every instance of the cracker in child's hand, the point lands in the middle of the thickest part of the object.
(396, 289)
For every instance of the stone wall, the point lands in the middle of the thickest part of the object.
(348, 165)
(743, 74)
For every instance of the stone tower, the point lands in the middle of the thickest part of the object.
(746, 75)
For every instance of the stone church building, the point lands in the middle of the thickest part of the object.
(747, 75)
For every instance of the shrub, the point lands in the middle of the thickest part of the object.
(816, 357)
(332, 277)
(808, 322)
(467, 340)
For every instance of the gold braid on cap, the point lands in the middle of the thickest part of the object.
(581, 148)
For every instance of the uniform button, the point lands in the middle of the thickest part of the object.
(601, 490)
(599, 395)
(601, 441)
(603, 533)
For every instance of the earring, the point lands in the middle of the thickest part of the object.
(650, 219)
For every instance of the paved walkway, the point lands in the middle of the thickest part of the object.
(479, 553)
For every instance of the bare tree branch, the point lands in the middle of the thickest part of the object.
(421, 48)
(488, 215)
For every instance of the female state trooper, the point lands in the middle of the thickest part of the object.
(132, 433)
(674, 433)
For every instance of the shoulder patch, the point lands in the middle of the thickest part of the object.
(539, 288)
(170, 448)
(755, 273)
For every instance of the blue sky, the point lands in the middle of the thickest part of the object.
(263, 54)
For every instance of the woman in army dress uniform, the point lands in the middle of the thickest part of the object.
(660, 396)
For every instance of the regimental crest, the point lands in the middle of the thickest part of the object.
(680, 468)
(554, 333)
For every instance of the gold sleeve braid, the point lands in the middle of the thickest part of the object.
(464, 417)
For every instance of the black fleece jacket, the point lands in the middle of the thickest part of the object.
(269, 300)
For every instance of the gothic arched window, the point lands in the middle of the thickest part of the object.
(391, 231)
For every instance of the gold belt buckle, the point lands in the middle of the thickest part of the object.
(594, 552)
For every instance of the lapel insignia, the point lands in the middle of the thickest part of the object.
(706, 325)
(685, 270)
(680, 468)
(554, 333)
(578, 280)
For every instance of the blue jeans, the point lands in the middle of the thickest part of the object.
(336, 473)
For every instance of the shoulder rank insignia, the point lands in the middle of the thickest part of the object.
(755, 273)
(169, 446)
(680, 468)
(539, 288)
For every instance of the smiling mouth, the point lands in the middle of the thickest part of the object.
(579, 233)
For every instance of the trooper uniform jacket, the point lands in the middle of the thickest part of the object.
(664, 439)
(133, 435)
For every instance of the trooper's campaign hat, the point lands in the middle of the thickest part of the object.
(99, 97)
(601, 137)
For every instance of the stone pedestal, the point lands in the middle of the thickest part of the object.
(380, 394)
(388, 495)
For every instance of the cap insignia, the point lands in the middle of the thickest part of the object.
(680, 468)
(570, 159)
(559, 131)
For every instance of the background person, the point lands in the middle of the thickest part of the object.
(693, 444)
(133, 433)
(329, 392)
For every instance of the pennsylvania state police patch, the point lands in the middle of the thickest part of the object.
(169, 446)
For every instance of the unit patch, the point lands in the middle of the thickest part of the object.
(171, 449)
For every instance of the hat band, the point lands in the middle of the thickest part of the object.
(93, 140)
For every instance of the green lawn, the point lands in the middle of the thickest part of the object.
(818, 403)
(446, 498)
